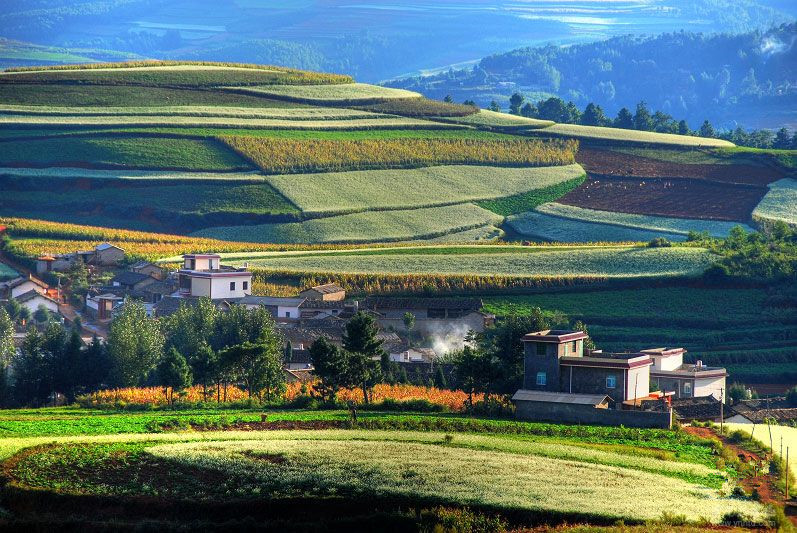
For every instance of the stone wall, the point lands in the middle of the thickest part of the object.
(566, 413)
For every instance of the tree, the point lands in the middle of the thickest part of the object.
(258, 364)
(782, 139)
(173, 373)
(7, 351)
(624, 119)
(204, 367)
(364, 351)
(683, 128)
(470, 103)
(791, 396)
(553, 109)
(663, 123)
(135, 345)
(528, 110)
(474, 370)
(440, 380)
(329, 363)
(515, 103)
(13, 308)
(642, 118)
(589, 344)
(495, 107)
(29, 369)
(94, 365)
(707, 130)
(737, 392)
(448, 99)
(409, 324)
(593, 116)
(42, 314)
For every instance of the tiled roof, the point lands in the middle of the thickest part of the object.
(761, 409)
(128, 277)
(327, 288)
(706, 408)
(30, 295)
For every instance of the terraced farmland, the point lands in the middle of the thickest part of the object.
(348, 93)
(369, 226)
(780, 203)
(511, 261)
(412, 188)
(601, 135)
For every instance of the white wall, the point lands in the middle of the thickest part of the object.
(287, 311)
(639, 379)
(200, 287)
(221, 287)
(25, 287)
(710, 387)
(34, 304)
(667, 363)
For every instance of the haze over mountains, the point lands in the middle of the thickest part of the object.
(372, 40)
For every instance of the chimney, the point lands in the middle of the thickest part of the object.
(699, 364)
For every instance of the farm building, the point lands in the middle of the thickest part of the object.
(202, 275)
(329, 292)
(131, 281)
(556, 362)
(107, 254)
(102, 306)
(432, 315)
(757, 411)
(150, 269)
(34, 299)
(104, 254)
(301, 308)
(21, 285)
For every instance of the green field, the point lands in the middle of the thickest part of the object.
(129, 151)
(531, 471)
(603, 224)
(164, 74)
(513, 261)
(284, 113)
(522, 202)
(330, 94)
(779, 204)
(369, 226)
(412, 188)
(595, 133)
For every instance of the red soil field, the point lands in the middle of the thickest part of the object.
(609, 163)
(678, 197)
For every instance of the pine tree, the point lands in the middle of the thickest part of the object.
(174, 373)
(624, 119)
(707, 130)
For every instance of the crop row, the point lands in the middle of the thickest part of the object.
(284, 113)
(276, 156)
(346, 93)
(420, 107)
(421, 187)
(368, 226)
(779, 204)
(600, 135)
(595, 262)
(168, 121)
(170, 73)
(493, 119)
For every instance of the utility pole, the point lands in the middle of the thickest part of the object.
(787, 474)
(722, 411)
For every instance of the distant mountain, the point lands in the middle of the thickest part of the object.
(370, 40)
(748, 79)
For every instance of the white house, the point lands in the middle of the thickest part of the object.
(286, 308)
(33, 300)
(202, 275)
(18, 286)
(670, 374)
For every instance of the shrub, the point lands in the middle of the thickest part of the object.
(659, 242)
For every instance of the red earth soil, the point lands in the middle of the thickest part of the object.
(609, 163)
(764, 483)
(679, 197)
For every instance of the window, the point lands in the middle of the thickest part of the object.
(246, 285)
(575, 346)
(542, 349)
(542, 378)
(232, 285)
(687, 387)
(287, 314)
(611, 381)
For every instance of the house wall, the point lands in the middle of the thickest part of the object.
(200, 287)
(152, 270)
(110, 256)
(592, 380)
(710, 387)
(25, 287)
(288, 312)
(638, 385)
(312, 294)
(565, 413)
(548, 363)
(674, 384)
(667, 363)
(221, 287)
(34, 303)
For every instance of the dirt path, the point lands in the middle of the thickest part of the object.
(762, 482)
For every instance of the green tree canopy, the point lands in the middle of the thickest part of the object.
(135, 345)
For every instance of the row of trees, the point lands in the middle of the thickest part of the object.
(643, 119)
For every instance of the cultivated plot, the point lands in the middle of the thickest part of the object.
(780, 203)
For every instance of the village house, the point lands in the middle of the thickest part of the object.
(32, 300)
(18, 286)
(557, 365)
(432, 315)
(131, 281)
(104, 254)
(150, 269)
(107, 254)
(103, 306)
(202, 275)
(329, 292)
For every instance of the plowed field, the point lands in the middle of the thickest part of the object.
(609, 163)
(676, 197)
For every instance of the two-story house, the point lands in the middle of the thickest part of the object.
(203, 275)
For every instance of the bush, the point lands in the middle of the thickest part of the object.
(659, 242)
(791, 396)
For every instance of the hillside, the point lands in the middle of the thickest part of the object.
(270, 154)
(745, 79)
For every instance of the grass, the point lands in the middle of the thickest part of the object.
(43, 94)
(553, 262)
(595, 133)
(482, 471)
(419, 107)
(525, 201)
(131, 152)
(787, 434)
(538, 226)
(688, 157)
(785, 158)
(656, 224)
(372, 121)
(348, 93)
(411, 188)
(289, 156)
(285, 113)
(485, 117)
(154, 176)
(166, 202)
(171, 74)
(370, 226)
(780, 203)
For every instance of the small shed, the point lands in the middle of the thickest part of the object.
(329, 292)
(107, 254)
